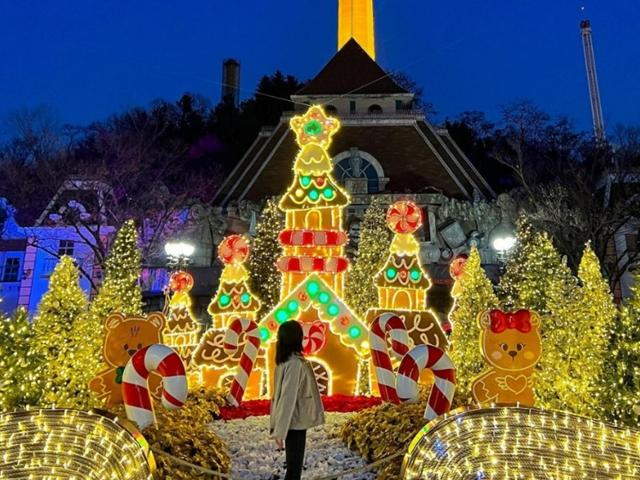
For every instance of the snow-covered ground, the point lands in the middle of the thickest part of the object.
(254, 456)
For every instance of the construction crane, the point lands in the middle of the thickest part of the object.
(592, 78)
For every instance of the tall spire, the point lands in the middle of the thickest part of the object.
(356, 20)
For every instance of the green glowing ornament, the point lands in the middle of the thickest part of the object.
(324, 297)
(333, 310)
(391, 273)
(313, 128)
(305, 181)
(224, 300)
(314, 195)
(313, 288)
(415, 275)
(264, 334)
(354, 332)
(282, 316)
(328, 193)
(292, 306)
(245, 298)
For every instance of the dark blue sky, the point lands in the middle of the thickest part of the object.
(89, 58)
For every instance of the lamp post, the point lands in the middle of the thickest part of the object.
(178, 254)
(502, 239)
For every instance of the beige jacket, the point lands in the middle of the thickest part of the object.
(296, 403)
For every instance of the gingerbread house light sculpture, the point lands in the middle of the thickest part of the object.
(314, 265)
(402, 282)
(233, 300)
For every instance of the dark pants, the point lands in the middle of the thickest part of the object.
(294, 448)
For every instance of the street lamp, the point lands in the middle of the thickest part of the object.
(178, 254)
(502, 239)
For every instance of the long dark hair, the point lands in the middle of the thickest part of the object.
(289, 341)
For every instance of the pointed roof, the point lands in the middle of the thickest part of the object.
(403, 271)
(313, 192)
(352, 70)
(313, 292)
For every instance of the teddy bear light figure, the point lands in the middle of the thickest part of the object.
(511, 345)
(124, 336)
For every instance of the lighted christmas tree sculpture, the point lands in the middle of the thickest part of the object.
(402, 282)
(18, 362)
(473, 294)
(314, 265)
(373, 247)
(575, 337)
(620, 382)
(181, 330)
(233, 300)
(532, 267)
(265, 251)
(62, 375)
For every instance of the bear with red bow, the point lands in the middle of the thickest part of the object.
(511, 345)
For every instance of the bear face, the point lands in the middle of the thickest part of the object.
(126, 335)
(511, 341)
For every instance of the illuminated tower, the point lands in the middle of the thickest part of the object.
(313, 240)
(356, 20)
(592, 78)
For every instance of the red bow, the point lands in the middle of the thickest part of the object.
(520, 320)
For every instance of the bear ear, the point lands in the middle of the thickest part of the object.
(156, 319)
(535, 319)
(113, 320)
(484, 319)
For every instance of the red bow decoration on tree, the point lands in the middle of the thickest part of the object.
(520, 320)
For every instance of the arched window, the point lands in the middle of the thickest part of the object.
(375, 109)
(355, 165)
(331, 109)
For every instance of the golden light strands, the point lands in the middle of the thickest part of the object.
(522, 443)
(71, 444)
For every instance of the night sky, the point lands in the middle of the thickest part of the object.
(90, 58)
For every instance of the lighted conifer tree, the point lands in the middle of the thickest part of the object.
(475, 295)
(373, 249)
(18, 362)
(265, 251)
(575, 335)
(60, 309)
(530, 269)
(596, 313)
(120, 292)
(620, 383)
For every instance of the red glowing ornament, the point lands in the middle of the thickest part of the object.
(180, 282)
(456, 269)
(404, 217)
(315, 337)
(233, 249)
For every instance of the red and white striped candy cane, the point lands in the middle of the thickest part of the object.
(435, 359)
(167, 363)
(248, 358)
(383, 325)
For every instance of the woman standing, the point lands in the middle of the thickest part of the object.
(296, 405)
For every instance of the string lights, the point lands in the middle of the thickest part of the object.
(234, 299)
(71, 444)
(403, 283)
(314, 265)
(521, 443)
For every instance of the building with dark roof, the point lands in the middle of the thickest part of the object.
(384, 145)
(385, 148)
